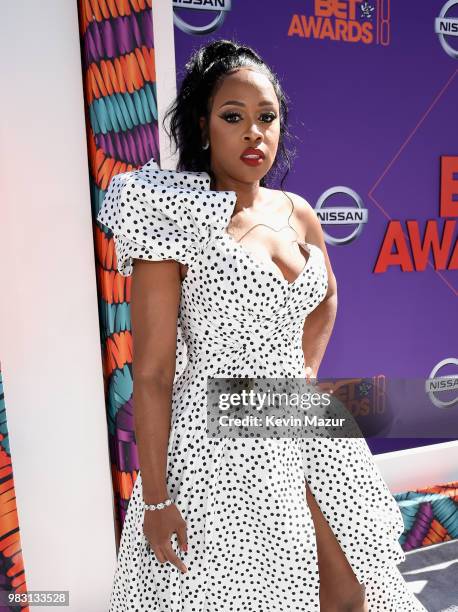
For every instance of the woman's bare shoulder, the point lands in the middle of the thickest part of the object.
(306, 217)
(303, 206)
(303, 213)
(278, 196)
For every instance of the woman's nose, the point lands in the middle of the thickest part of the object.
(254, 131)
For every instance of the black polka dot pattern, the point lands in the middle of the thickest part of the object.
(251, 537)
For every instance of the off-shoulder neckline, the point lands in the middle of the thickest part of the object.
(231, 201)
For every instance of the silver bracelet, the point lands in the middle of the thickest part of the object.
(159, 506)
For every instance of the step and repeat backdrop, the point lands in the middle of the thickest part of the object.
(373, 90)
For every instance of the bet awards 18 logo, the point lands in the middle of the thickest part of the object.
(408, 249)
(353, 21)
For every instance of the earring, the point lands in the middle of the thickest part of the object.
(206, 145)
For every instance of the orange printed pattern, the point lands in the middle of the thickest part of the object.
(124, 74)
(100, 10)
(13, 575)
(119, 75)
(430, 515)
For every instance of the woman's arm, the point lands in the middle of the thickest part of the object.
(155, 300)
(317, 331)
(320, 322)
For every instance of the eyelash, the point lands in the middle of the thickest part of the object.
(233, 113)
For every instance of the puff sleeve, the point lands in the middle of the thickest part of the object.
(159, 214)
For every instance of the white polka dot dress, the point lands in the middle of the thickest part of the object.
(251, 538)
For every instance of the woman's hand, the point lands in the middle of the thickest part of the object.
(158, 527)
(323, 386)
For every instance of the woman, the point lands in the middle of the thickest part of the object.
(241, 286)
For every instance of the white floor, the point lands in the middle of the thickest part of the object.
(432, 574)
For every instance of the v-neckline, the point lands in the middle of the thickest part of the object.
(279, 276)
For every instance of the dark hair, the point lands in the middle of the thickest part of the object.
(204, 73)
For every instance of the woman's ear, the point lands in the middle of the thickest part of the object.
(203, 129)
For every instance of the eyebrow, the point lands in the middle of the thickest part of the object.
(238, 103)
